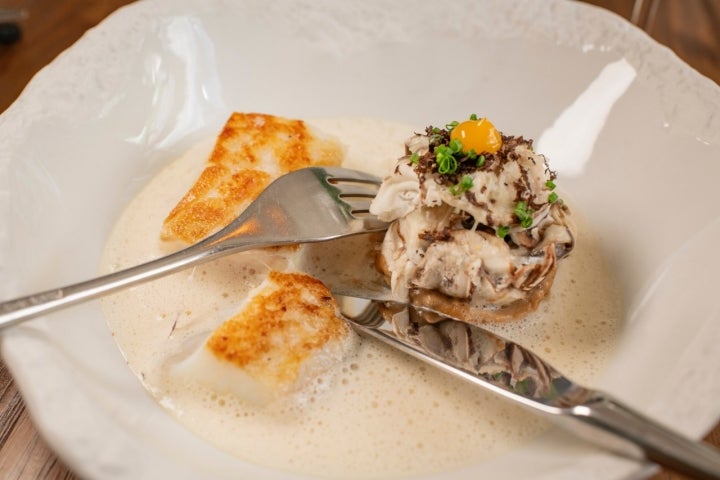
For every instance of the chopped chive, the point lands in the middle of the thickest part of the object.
(553, 197)
(446, 161)
(455, 145)
(502, 231)
(435, 139)
(481, 161)
(467, 182)
(550, 184)
(451, 125)
(414, 158)
(464, 185)
(473, 117)
(524, 214)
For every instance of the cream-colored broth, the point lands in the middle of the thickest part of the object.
(379, 413)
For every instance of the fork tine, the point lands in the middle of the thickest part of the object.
(358, 205)
(356, 190)
(339, 174)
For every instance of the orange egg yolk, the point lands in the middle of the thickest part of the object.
(478, 135)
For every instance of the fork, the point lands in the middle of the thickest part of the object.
(309, 205)
(516, 373)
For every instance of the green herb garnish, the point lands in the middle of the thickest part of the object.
(473, 116)
(455, 145)
(451, 125)
(414, 158)
(553, 197)
(446, 161)
(524, 214)
(480, 159)
(464, 185)
(502, 231)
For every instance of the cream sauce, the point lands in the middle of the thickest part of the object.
(378, 414)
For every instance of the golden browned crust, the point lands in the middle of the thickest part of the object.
(252, 150)
(280, 327)
(248, 139)
(200, 212)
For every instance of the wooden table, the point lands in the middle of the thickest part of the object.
(690, 28)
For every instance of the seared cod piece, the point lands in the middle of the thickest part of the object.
(252, 150)
(287, 333)
(478, 227)
(288, 330)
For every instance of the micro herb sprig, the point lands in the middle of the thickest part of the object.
(464, 185)
(524, 214)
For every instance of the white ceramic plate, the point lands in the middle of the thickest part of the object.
(634, 133)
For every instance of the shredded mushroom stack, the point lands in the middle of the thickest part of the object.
(478, 227)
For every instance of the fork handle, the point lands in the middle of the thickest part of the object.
(657, 443)
(31, 306)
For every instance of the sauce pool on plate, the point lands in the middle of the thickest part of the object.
(379, 411)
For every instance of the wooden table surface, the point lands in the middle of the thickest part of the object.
(690, 28)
